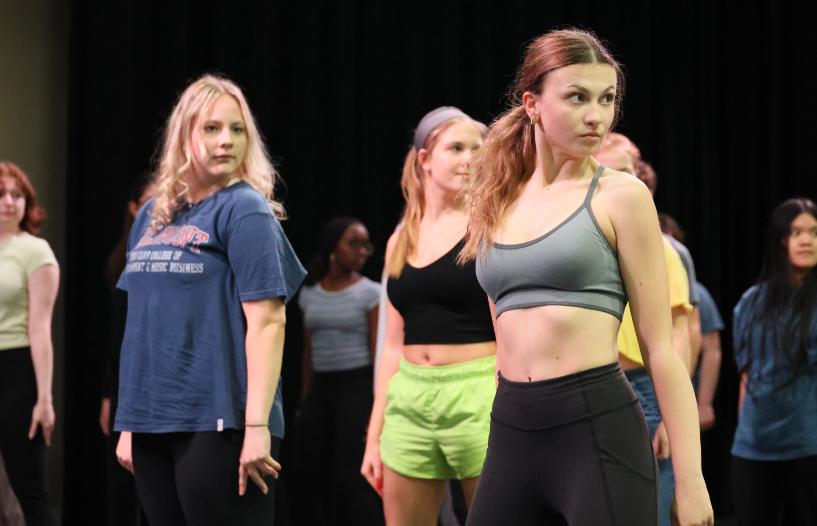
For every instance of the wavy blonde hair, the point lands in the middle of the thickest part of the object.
(177, 151)
(506, 161)
(413, 186)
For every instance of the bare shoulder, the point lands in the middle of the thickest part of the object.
(622, 193)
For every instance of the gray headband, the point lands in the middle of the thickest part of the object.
(433, 119)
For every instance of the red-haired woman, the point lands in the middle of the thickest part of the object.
(435, 380)
(561, 244)
(29, 279)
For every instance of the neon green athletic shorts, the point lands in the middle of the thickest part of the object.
(437, 419)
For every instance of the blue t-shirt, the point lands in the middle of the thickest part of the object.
(778, 420)
(711, 320)
(183, 365)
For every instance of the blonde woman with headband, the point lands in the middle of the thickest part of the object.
(435, 380)
(208, 272)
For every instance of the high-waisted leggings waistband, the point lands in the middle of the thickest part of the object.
(549, 403)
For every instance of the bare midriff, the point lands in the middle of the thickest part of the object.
(549, 341)
(437, 354)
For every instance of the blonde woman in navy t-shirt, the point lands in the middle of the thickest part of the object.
(209, 270)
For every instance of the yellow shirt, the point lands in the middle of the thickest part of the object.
(678, 297)
(20, 256)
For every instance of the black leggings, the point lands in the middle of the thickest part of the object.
(774, 492)
(192, 479)
(24, 458)
(328, 442)
(571, 450)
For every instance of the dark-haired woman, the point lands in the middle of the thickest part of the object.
(435, 381)
(123, 503)
(29, 279)
(774, 464)
(561, 245)
(340, 322)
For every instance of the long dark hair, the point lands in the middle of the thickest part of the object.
(784, 310)
(330, 237)
(117, 258)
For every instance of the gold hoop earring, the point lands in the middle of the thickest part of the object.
(332, 256)
(532, 120)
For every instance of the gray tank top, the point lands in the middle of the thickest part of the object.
(571, 265)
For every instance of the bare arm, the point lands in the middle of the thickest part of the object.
(43, 285)
(695, 338)
(373, 316)
(680, 335)
(372, 467)
(644, 270)
(265, 350)
(708, 378)
(744, 377)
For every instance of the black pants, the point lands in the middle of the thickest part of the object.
(329, 440)
(24, 458)
(764, 490)
(192, 479)
(571, 450)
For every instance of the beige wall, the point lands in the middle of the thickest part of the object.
(33, 123)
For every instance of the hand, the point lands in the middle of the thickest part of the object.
(660, 442)
(124, 452)
(706, 416)
(105, 416)
(372, 467)
(42, 416)
(692, 508)
(256, 460)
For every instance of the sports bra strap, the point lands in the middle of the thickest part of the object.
(593, 185)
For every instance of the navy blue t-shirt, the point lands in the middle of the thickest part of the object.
(778, 420)
(183, 365)
(710, 316)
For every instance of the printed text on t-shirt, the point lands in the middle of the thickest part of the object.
(178, 236)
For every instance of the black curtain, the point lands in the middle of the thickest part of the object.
(718, 98)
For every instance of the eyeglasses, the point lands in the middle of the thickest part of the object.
(357, 245)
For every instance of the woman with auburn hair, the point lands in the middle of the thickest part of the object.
(209, 270)
(29, 280)
(774, 455)
(435, 380)
(561, 244)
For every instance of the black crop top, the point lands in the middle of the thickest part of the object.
(442, 303)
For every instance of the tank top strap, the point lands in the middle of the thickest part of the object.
(593, 184)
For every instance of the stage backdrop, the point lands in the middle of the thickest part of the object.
(718, 98)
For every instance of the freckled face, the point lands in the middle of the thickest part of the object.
(576, 107)
(219, 139)
(12, 202)
(802, 242)
(446, 165)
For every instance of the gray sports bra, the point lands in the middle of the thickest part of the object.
(572, 265)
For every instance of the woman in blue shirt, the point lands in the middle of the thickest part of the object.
(208, 272)
(774, 464)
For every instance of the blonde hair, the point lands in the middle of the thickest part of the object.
(508, 157)
(256, 168)
(412, 184)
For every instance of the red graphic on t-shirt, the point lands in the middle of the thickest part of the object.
(177, 236)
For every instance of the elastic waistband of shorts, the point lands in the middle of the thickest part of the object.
(557, 401)
(449, 373)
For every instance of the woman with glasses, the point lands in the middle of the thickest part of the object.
(340, 319)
